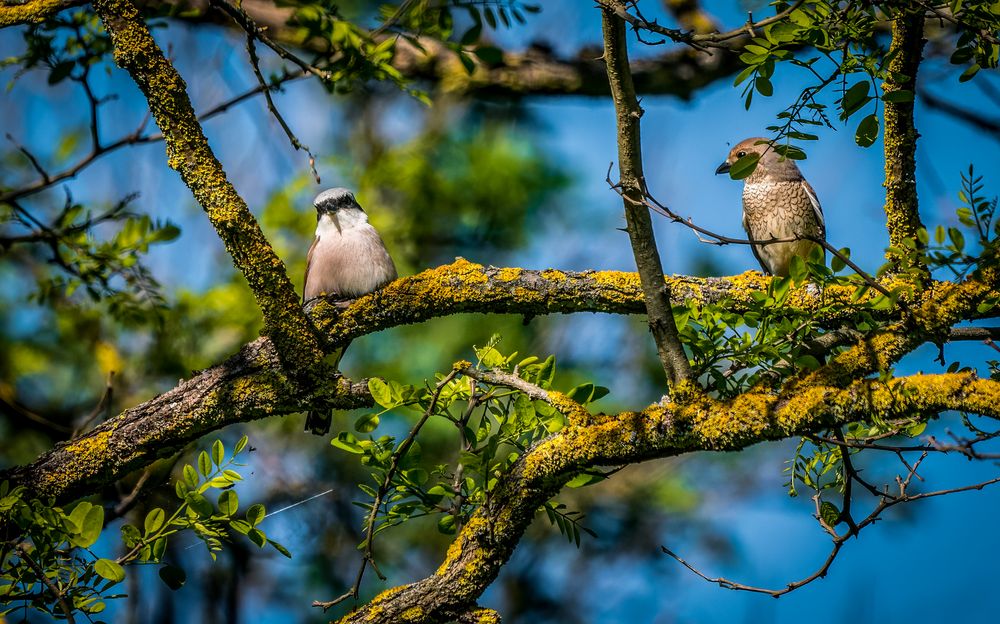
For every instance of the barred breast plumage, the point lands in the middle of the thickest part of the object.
(778, 203)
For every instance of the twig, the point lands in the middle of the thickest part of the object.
(136, 138)
(397, 456)
(886, 501)
(40, 574)
(699, 42)
(248, 24)
(294, 140)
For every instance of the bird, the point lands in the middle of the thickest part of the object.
(778, 203)
(347, 259)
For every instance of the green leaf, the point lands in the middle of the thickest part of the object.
(204, 463)
(218, 453)
(957, 238)
(60, 72)
(969, 73)
(417, 475)
(199, 504)
(255, 514)
(229, 502)
(280, 548)
(154, 520)
(240, 445)
(347, 442)
(867, 131)
(257, 537)
(836, 263)
(807, 362)
(366, 423)
(830, 514)
(472, 35)
(173, 576)
(159, 547)
(446, 524)
(130, 535)
(898, 97)
(90, 527)
(763, 86)
(546, 372)
(743, 75)
(855, 98)
(584, 479)
(744, 166)
(380, 392)
(110, 570)
(489, 54)
(797, 270)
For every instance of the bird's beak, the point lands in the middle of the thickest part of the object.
(723, 168)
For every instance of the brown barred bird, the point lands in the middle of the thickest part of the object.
(778, 203)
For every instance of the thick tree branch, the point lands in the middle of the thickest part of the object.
(253, 384)
(536, 71)
(698, 423)
(13, 13)
(189, 153)
(640, 228)
(900, 134)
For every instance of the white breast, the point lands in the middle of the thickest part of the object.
(348, 259)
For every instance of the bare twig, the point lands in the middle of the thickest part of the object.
(294, 140)
(22, 550)
(886, 500)
(701, 41)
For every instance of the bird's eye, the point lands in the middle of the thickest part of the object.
(740, 154)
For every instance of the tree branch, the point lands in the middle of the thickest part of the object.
(640, 228)
(900, 135)
(189, 153)
(253, 383)
(13, 13)
(698, 423)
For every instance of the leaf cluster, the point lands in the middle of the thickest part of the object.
(43, 538)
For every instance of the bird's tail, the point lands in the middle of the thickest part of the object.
(318, 421)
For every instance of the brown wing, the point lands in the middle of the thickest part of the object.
(753, 248)
(817, 209)
(305, 278)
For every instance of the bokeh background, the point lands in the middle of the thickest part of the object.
(509, 183)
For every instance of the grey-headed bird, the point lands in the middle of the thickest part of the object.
(778, 203)
(347, 259)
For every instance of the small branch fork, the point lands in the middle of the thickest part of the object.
(885, 501)
(368, 556)
(701, 42)
(136, 137)
(256, 33)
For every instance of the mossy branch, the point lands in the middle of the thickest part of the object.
(699, 423)
(900, 133)
(33, 11)
(254, 384)
(189, 153)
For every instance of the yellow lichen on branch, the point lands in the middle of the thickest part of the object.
(32, 11)
(698, 422)
(189, 153)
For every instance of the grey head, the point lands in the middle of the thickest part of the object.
(332, 201)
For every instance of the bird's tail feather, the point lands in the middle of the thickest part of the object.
(318, 421)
